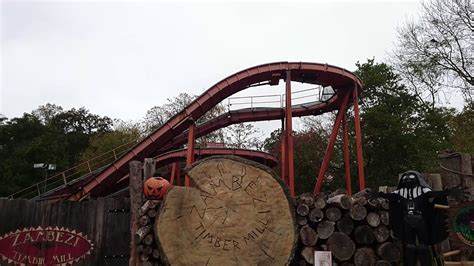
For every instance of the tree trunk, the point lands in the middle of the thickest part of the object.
(156, 253)
(341, 246)
(302, 209)
(320, 203)
(345, 225)
(384, 217)
(306, 198)
(148, 240)
(381, 233)
(373, 219)
(301, 220)
(360, 201)
(333, 214)
(325, 229)
(341, 201)
(389, 252)
(308, 254)
(382, 263)
(144, 220)
(237, 212)
(151, 213)
(339, 191)
(308, 236)
(315, 215)
(364, 257)
(141, 233)
(363, 234)
(358, 212)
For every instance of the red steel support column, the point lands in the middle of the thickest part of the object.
(190, 152)
(332, 140)
(347, 165)
(360, 159)
(289, 135)
(178, 175)
(283, 153)
(173, 172)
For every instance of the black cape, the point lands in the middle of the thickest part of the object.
(435, 219)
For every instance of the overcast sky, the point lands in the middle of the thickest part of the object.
(122, 58)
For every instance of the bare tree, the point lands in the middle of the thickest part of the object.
(436, 54)
(243, 136)
(158, 115)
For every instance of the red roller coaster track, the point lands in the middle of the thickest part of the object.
(181, 128)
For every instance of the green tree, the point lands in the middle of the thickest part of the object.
(25, 141)
(309, 147)
(47, 135)
(106, 146)
(400, 131)
(463, 127)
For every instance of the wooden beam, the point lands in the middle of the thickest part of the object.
(190, 152)
(136, 201)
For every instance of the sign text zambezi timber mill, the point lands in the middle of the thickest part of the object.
(44, 246)
(236, 213)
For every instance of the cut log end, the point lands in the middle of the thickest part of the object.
(235, 207)
(341, 246)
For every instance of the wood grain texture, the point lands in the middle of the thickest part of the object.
(237, 213)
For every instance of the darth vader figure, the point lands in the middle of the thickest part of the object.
(413, 216)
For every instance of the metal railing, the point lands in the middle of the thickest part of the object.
(310, 95)
(66, 176)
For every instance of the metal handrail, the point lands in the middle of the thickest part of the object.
(86, 167)
(250, 99)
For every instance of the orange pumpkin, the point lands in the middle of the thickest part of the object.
(156, 187)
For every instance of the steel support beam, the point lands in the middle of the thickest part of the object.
(190, 151)
(289, 135)
(174, 170)
(347, 166)
(332, 140)
(360, 159)
(283, 153)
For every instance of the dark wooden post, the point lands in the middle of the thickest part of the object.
(149, 168)
(190, 152)
(136, 201)
(467, 178)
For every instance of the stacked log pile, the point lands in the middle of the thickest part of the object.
(147, 248)
(354, 229)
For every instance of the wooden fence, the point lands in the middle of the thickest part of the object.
(104, 222)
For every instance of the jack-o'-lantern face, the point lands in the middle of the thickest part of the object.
(156, 187)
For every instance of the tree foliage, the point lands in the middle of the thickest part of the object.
(48, 134)
(242, 136)
(309, 146)
(400, 132)
(437, 51)
(463, 127)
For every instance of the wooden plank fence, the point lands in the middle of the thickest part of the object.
(104, 221)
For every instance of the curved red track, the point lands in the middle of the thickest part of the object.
(166, 159)
(171, 133)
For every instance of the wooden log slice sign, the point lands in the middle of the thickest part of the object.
(237, 213)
